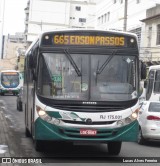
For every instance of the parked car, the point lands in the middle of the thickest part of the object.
(19, 99)
(149, 121)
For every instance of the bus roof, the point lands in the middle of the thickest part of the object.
(154, 67)
(89, 30)
(9, 71)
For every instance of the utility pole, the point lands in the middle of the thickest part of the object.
(2, 27)
(125, 15)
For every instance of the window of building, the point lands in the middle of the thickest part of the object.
(158, 34)
(72, 18)
(82, 19)
(137, 31)
(114, 1)
(78, 8)
(149, 36)
(108, 16)
(121, 1)
(102, 19)
(150, 84)
(105, 17)
(138, 1)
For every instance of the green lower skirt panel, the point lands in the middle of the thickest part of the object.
(47, 131)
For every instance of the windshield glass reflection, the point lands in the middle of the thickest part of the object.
(58, 79)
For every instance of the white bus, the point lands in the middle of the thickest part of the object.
(9, 82)
(82, 85)
(153, 84)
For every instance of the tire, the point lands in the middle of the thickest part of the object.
(141, 139)
(27, 133)
(20, 106)
(39, 145)
(114, 148)
(17, 106)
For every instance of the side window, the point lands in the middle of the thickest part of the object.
(150, 84)
(25, 70)
(157, 82)
(29, 69)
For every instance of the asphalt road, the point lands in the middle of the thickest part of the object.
(76, 154)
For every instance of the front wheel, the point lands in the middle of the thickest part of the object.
(141, 139)
(17, 106)
(114, 148)
(39, 145)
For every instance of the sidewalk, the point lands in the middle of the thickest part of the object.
(9, 143)
(6, 145)
(5, 135)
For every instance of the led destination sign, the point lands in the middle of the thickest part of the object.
(10, 73)
(89, 40)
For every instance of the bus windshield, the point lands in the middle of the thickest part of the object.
(102, 77)
(10, 80)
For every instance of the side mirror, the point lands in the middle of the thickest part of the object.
(143, 71)
(140, 104)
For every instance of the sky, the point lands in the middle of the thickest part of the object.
(14, 16)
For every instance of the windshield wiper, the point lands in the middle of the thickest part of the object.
(99, 71)
(73, 63)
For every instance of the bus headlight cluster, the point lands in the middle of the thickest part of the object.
(43, 115)
(129, 119)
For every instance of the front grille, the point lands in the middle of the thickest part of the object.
(79, 106)
(84, 123)
(89, 108)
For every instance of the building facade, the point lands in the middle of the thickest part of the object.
(150, 46)
(13, 46)
(47, 15)
(111, 16)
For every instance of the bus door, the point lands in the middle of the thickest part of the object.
(28, 98)
(149, 92)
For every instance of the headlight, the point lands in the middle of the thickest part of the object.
(120, 123)
(43, 115)
(129, 119)
(133, 116)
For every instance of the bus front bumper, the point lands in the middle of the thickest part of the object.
(47, 131)
(14, 91)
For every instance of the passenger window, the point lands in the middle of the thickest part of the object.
(150, 84)
(157, 82)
